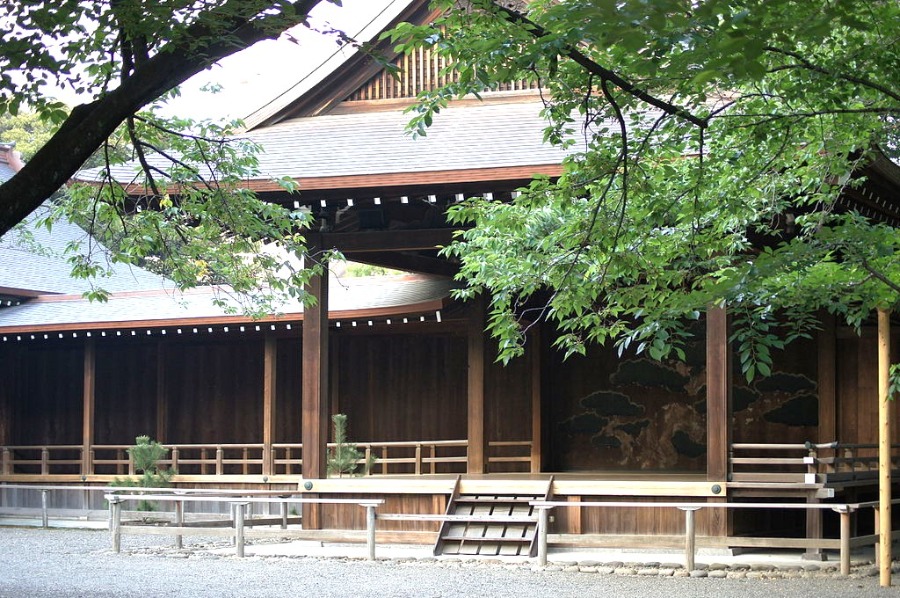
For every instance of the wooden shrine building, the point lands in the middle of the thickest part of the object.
(247, 404)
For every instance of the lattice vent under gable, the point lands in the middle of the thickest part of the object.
(418, 71)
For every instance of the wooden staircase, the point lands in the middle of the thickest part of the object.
(490, 524)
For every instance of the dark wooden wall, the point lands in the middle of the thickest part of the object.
(401, 387)
(125, 392)
(856, 370)
(46, 379)
(214, 390)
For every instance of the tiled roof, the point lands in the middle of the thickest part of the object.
(350, 297)
(34, 259)
(469, 135)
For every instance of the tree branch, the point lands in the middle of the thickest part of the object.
(89, 125)
(602, 72)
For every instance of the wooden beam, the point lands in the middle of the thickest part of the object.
(314, 423)
(884, 446)
(270, 369)
(89, 384)
(477, 458)
(408, 262)
(388, 240)
(718, 409)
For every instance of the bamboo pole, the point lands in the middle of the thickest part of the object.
(884, 447)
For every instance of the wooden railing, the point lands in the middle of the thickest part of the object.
(390, 458)
(806, 463)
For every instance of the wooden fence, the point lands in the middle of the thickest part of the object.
(390, 458)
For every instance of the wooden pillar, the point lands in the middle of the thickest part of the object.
(87, 428)
(718, 409)
(314, 424)
(476, 455)
(162, 396)
(827, 429)
(270, 366)
(884, 447)
(536, 407)
(827, 380)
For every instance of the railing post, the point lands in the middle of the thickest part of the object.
(543, 520)
(690, 537)
(433, 453)
(418, 459)
(45, 461)
(368, 459)
(44, 522)
(7, 461)
(203, 468)
(239, 528)
(287, 461)
(219, 456)
(246, 455)
(370, 530)
(175, 456)
(179, 521)
(845, 511)
(384, 461)
(115, 523)
(284, 515)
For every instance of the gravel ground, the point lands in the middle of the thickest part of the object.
(66, 563)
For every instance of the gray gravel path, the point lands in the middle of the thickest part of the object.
(66, 563)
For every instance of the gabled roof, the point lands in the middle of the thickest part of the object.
(345, 70)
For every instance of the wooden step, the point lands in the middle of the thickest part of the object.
(498, 539)
(489, 524)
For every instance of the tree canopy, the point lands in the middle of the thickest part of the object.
(128, 56)
(710, 142)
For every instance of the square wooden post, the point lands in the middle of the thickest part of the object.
(718, 410)
(270, 365)
(89, 383)
(536, 407)
(476, 454)
(314, 424)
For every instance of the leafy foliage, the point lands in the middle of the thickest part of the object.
(344, 457)
(709, 143)
(146, 455)
(193, 219)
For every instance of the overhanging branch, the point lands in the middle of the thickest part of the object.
(600, 71)
(89, 125)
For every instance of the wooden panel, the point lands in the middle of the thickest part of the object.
(215, 390)
(288, 390)
(508, 403)
(629, 413)
(47, 408)
(402, 387)
(126, 403)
